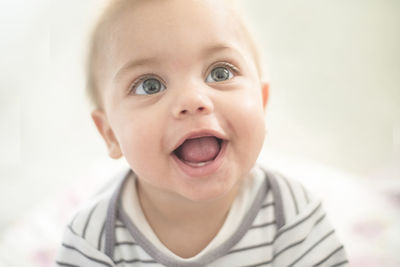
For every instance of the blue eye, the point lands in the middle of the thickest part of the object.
(149, 86)
(219, 74)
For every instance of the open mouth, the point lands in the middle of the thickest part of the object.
(200, 151)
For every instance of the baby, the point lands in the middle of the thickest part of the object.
(177, 91)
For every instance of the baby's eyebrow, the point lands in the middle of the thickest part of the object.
(216, 48)
(134, 64)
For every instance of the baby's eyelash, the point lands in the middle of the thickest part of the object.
(136, 82)
(228, 65)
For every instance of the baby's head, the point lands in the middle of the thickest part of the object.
(177, 90)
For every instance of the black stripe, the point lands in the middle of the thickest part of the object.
(71, 224)
(312, 247)
(292, 194)
(72, 230)
(87, 221)
(250, 247)
(340, 263)
(66, 264)
(297, 242)
(259, 264)
(134, 261)
(262, 225)
(100, 236)
(86, 256)
(267, 205)
(298, 223)
(122, 243)
(120, 226)
(320, 219)
(288, 247)
(305, 194)
(328, 257)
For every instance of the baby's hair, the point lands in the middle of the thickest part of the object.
(97, 40)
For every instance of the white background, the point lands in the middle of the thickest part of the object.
(334, 69)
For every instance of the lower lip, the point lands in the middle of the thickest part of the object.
(207, 169)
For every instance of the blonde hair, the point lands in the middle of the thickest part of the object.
(98, 35)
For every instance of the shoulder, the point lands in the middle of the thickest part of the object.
(83, 240)
(89, 221)
(305, 236)
(294, 198)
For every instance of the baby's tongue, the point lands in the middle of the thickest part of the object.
(199, 149)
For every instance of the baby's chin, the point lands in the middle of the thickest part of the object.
(211, 192)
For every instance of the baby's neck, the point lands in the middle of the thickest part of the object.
(184, 227)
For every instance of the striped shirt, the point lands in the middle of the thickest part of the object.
(283, 226)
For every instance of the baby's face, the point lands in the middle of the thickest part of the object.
(182, 97)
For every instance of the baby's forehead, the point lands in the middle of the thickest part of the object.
(156, 16)
(166, 10)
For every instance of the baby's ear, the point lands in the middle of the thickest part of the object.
(265, 93)
(104, 128)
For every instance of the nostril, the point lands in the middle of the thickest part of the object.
(199, 109)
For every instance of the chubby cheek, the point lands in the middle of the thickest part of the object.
(138, 143)
(248, 126)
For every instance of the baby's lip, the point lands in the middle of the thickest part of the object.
(198, 134)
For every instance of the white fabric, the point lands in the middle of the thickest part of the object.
(242, 203)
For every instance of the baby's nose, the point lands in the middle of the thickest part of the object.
(192, 102)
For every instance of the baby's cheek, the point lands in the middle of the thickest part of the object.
(137, 143)
(250, 125)
(250, 112)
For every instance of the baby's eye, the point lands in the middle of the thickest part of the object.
(219, 74)
(148, 87)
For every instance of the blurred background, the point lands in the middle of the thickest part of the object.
(333, 118)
